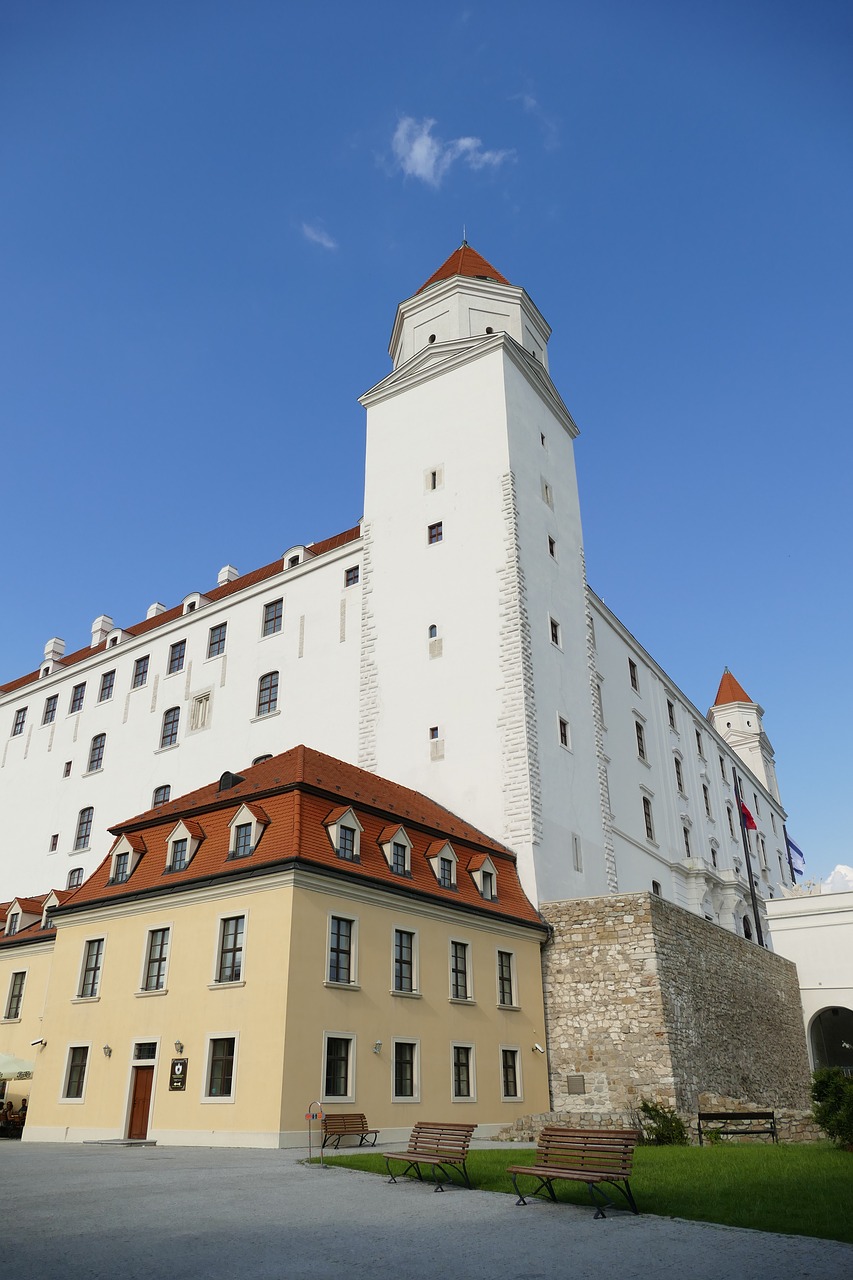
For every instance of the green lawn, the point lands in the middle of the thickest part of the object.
(801, 1189)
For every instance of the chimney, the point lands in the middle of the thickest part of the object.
(54, 649)
(101, 628)
(155, 609)
(226, 574)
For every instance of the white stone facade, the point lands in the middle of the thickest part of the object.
(468, 661)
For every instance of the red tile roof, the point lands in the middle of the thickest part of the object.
(31, 906)
(298, 789)
(169, 615)
(730, 691)
(465, 261)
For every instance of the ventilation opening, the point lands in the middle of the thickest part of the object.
(431, 338)
(229, 780)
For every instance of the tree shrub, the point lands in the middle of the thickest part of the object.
(661, 1126)
(832, 1104)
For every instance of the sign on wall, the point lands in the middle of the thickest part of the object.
(178, 1075)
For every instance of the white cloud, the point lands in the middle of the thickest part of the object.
(840, 880)
(317, 236)
(421, 155)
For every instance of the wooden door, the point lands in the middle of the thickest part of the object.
(140, 1102)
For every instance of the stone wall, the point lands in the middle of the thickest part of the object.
(646, 1000)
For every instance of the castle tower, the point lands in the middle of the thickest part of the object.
(738, 720)
(475, 678)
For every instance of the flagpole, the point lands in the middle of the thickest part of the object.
(745, 838)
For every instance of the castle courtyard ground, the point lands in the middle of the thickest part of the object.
(74, 1211)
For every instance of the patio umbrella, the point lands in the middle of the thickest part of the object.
(12, 1068)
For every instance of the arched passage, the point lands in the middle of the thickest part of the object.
(831, 1036)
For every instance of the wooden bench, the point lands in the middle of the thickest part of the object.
(348, 1124)
(441, 1147)
(731, 1124)
(592, 1156)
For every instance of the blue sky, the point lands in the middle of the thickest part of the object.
(210, 211)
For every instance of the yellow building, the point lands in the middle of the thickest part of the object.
(307, 932)
(26, 953)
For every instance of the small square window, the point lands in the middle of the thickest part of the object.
(351, 576)
(433, 733)
(273, 614)
(177, 656)
(216, 640)
(140, 673)
(108, 680)
(78, 693)
(435, 533)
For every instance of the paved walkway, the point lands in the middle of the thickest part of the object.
(194, 1213)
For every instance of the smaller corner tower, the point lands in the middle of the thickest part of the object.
(737, 719)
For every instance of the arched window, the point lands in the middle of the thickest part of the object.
(433, 631)
(84, 828)
(747, 928)
(171, 721)
(96, 752)
(267, 693)
(161, 795)
(75, 878)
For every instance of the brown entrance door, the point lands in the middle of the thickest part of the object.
(140, 1102)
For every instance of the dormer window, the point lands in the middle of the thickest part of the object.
(345, 831)
(194, 601)
(121, 868)
(442, 859)
(485, 877)
(397, 847)
(126, 854)
(182, 844)
(14, 921)
(247, 827)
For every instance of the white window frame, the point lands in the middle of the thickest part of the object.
(519, 1081)
(222, 1099)
(333, 830)
(181, 832)
(352, 985)
(143, 973)
(63, 1099)
(513, 969)
(17, 1017)
(472, 1072)
(275, 631)
(387, 839)
(349, 1096)
(469, 971)
(477, 877)
(215, 984)
(415, 1095)
(434, 855)
(242, 818)
(416, 977)
(96, 994)
(124, 846)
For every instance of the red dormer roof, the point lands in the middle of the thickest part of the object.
(465, 261)
(730, 691)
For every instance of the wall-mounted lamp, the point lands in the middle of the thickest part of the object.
(108, 1053)
(537, 1048)
(377, 1048)
(179, 1048)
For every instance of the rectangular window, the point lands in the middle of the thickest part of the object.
(731, 822)
(435, 533)
(121, 868)
(108, 680)
(773, 821)
(757, 806)
(351, 576)
(723, 769)
(405, 1068)
(12, 926)
(171, 723)
(242, 840)
(96, 752)
(679, 775)
(341, 950)
(50, 709)
(670, 711)
(707, 798)
(346, 842)
(220, 1074)
(463, 1083)
(686, 833)
(140, 673)
(155, 960)
(54, 843)
(404, 960)
(216, 640)
(445, 873)
(84, 828)
(554, 628)
(632, 672)
(273, 614)
(699, 747)
(506, 992)
(230, 967)
(78, 693)
(487, 881)
(399, 859)
(20, 721)
(179, 855)
(338, 1066)
(565, 733)
(552, 548)
(90, 979)
(177, 656)
(577, 853)
(647, 818)
(16, 995)
(76, 1075)
(641, 740)
(509, 1073)
(459, 970)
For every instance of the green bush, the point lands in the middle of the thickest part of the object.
(661, 1126)
(832, 1104)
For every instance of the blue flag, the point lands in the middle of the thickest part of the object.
(798, 862)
